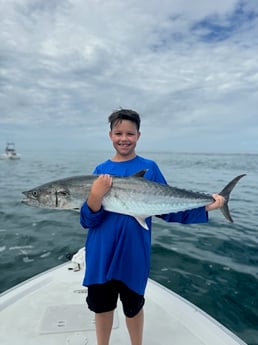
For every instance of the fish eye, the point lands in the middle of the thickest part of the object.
(35, 193)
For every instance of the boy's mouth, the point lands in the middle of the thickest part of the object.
(124, 145)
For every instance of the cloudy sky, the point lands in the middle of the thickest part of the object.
(190, 68)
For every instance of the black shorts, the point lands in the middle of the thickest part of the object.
(103, 298)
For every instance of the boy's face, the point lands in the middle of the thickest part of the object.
(124, 136)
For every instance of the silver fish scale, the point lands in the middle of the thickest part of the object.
(140, 197)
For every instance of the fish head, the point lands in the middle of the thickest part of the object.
(49, 196)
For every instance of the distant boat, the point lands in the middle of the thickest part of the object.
(10, 152)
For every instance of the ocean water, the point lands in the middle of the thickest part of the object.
(214, 265)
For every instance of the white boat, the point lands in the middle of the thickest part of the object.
(50, 309)
(10, 152)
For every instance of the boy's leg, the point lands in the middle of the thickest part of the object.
(102, 299)
(133, 309)
(104, 322)
(135, 328)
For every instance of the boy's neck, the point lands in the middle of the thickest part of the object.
(121, 158)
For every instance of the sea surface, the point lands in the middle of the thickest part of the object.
(214, 265)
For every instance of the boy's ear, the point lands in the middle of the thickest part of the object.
(139, 134)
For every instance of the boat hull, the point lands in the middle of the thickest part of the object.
(50, 309)
(10, 157)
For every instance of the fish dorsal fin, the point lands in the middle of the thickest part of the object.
(140, 173)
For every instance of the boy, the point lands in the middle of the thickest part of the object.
(117, 247)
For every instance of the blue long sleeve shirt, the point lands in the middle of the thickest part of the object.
(117, 247)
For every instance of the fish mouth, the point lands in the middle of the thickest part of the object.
(30, 202)
(26, 200)
(26, 195)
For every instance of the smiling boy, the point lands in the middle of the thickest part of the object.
(117, 247)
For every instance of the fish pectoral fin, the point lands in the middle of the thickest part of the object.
(141, 221)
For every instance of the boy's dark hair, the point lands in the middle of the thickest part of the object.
(124, 114)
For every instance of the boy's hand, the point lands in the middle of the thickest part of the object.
(99, 188)
(218, 203)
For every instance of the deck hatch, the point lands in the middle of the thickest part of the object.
(69, 318)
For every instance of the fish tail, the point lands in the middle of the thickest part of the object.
(226, 194)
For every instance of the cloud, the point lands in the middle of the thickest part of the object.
(189, 69)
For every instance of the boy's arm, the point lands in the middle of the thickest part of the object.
(196, 215)
(89, 219)
(99, 188)
(91, 212)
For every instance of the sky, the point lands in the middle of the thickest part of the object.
(189, 68)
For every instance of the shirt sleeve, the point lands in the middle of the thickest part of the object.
(89, 219)
(194, 216)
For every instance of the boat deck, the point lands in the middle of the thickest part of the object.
(50, 309)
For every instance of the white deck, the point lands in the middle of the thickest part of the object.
(50, 309)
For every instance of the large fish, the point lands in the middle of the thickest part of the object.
(133, 195)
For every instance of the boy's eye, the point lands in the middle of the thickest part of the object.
(120, 133)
